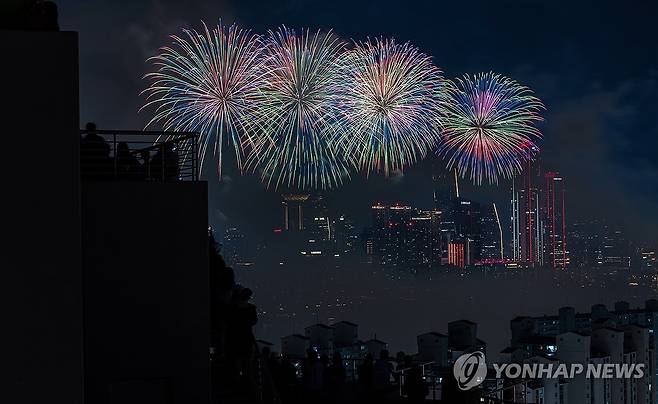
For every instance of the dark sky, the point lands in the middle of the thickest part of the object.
(595, 65)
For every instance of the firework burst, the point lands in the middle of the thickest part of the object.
(390, 105)
(297, 113)
(489, 127)
(207, 82)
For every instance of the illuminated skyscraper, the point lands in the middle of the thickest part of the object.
(456, 254)
(437, 241)
(397, 245)
(492, 235)
(445, 191)
(555, 248)
(647, 258)
(293, 211)
(467, 220)
(527, 230)
(404, 237)
(345, 235)
(614, 248)
(420, 239)
(379, 233)
(316, 220)
(445, 187)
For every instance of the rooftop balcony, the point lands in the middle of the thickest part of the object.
(157, 156)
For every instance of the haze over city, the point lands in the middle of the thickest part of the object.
(348, 201)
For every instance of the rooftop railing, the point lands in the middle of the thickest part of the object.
(157, 156)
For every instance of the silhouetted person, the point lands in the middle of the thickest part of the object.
(287, 379)
(269, 370)
(145, 166)
(312, 376)
(382, 374)
(414, 385)
(157, 164)
(95, 159)
(324, 360)
(399, 364)
(399, 358)
(336, 375)
(128, 166)
(29, 15)
(47, 16)
(451, 393)
(164, 163)
(222, 284)
(240, 342)
(171, 161)
(366, 375)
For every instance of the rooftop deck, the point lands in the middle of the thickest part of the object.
(157, 156)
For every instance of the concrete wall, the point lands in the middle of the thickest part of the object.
(320, 337)
(433, 347)
(611, 342)
(294, 346)
(345, 334)
(575, 348)
(145, 276)
(41, 353)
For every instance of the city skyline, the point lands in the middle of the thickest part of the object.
(526, 231)
(596, 113)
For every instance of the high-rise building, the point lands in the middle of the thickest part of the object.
(456, 254)
(445, 187)
(647, 258)
(491, 249)
(380, 215)
(420, 239)
(614, 248)
(307, 224)
(397, 245)
(554, 219)
(437, 240)
(405, 237)
(577, 239)
(345, 236)
(527, 230)
(366, 244)
(447, 235)
(619, 336)
(597, 243)
(316, 220)
(293, 211)
(584, 241)
(467, 220)
(444, 191)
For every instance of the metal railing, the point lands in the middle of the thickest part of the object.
(431, 380)
(139, 155)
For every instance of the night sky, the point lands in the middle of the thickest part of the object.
(594, 64)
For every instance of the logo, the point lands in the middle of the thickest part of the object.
(470, 370)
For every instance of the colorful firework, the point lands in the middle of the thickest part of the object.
(297, 113)
(390, 105)
(489, 127)
(207, 82)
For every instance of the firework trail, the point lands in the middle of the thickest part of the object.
(390, 105)
(489, 127)
(207, 82)
(297, 111)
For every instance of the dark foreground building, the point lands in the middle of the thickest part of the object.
(105, 282)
